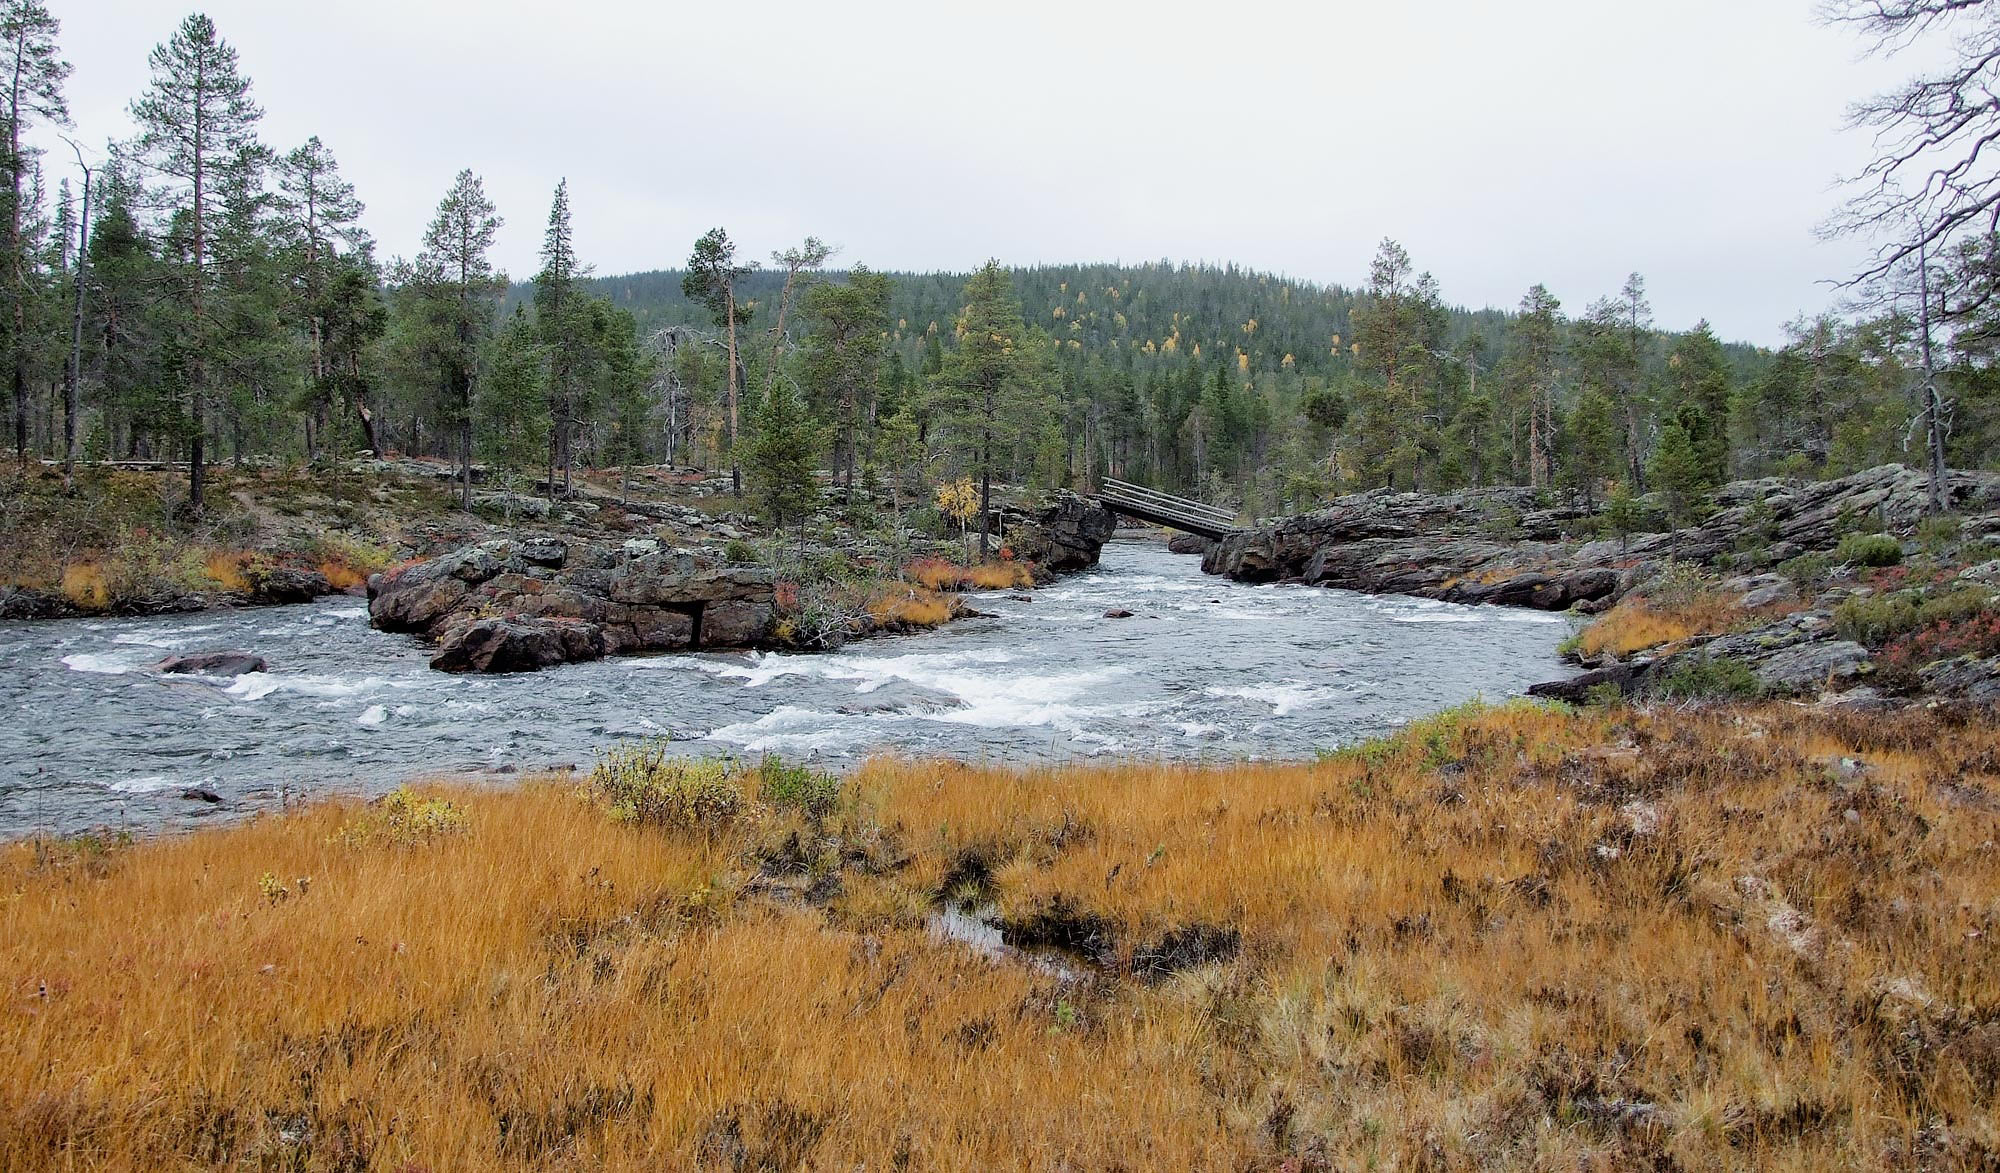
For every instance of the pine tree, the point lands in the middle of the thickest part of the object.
(34, 75)
(712, 273)
(1678, 473)
(457, 291)
(196, 121)
(994, 381)
(843, 355)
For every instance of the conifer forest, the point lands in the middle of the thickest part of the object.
(199, 293)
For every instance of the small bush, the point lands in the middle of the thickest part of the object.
(1869, 550)
(641, 783)
(1874, 622)
(1974, 634)
(1808, 572)
(403, 818)
(1935, 534)
(811, 792)
(739, 552)
(1676, 584)
(1707, 679)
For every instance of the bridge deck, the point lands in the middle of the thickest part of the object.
(1180, 513)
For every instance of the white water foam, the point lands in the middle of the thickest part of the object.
(372, 715)
(150, 784)
(255, 686)
(103, 663)
(1285, 698)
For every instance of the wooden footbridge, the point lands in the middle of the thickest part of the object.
(1182, 513)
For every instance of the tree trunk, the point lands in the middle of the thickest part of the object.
(735, 470)
(75, 374)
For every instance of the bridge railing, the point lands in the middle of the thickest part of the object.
(1116, 490)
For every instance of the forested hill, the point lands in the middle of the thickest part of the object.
(1113, 307)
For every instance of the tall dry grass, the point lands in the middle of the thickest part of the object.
(1509, 938)
(1637, 624)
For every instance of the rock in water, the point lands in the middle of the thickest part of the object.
(507, 606)
(1118, 613)
(285, 585)
(201, 794)
(1065, 535)
(517, 645)
(1189, 544)
(214, 664)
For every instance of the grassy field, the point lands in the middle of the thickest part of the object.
(1507, 938)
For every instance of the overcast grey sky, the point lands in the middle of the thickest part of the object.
(1561, 141)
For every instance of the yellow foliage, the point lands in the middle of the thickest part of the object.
(83, 584)
(231, 571)
(1637, 624)
(958, 500)
(1477, 945)
(1288, 362)
(1242, 361)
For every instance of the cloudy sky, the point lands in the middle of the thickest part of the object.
(1561, 141)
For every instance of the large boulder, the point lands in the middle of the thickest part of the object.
(288, 585)
(506, 606)
(513, 644)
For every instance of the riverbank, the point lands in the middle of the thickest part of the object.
(1846, 589)
(1758, 937)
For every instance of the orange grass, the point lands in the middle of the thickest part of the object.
(1509, 938)
(912, 607)
(940, 575)
(231, 571)
(1636, 623)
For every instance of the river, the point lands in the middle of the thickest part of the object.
(1206, 669)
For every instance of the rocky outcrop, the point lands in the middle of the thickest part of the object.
(507, 606)
(1505, 546)
(1183, 543)
(1062, 536)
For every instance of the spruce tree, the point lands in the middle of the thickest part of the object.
(317, 212)
(780, 460)
(196, 122)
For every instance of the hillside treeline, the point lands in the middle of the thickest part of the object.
(209, 295)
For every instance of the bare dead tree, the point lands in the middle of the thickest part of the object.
(1935, 178)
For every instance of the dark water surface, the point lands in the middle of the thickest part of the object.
(1206, 668)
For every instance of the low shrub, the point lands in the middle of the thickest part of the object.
(1869, 550)
(403, 818)
(642, 783)
(741, 552)
(1877, 620)
(1707, 679)
(1973, 634)
(1936, 534)
(1808, 572)
(811, 792)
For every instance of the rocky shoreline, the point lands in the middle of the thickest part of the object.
(1511, 547)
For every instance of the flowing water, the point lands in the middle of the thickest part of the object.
(1205, 669)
